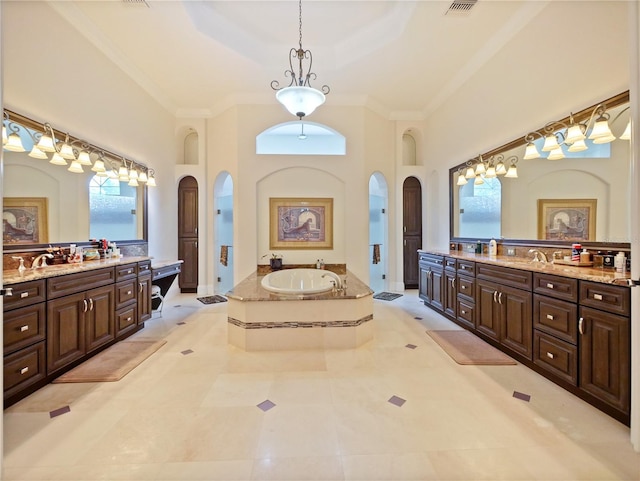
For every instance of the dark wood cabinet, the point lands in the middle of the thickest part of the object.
(99, 317)
(431, 287)
(605, 357)
(144, 298)
(188, 251)
(449, 297)
(411, 244)
(411, 230)
(188, 233)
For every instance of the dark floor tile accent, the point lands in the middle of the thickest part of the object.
(418, 318)
(187, 351)
(397, 401)
(181, 323)
(266, 405)
(519, 395)
(58, 412)
(411, 346)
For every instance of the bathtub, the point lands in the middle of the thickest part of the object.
(300, 281)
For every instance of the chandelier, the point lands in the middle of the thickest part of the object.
(299, 97)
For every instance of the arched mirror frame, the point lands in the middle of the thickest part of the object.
(112, 158)
(581, 116)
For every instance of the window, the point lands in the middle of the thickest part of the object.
(480, 209)
(112, 209)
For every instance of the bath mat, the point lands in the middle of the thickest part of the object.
(212, 299)
(386, 296)
(113, 363)
(467, 348)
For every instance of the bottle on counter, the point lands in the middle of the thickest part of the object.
(478, 247)
(620, 262)
(575, 252)
(493, 248)
(585, 256)
(607, 260)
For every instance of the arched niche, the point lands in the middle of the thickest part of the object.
(300, 138)
(189, 140)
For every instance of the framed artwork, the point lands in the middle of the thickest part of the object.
(24, 220)
(300, 223)
(567, 219)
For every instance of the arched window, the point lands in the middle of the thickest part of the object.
(300, 138)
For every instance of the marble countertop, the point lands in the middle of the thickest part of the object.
(595, 274)
(14, 276)
(250, 289)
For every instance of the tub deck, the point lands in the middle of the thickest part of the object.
(262, 320)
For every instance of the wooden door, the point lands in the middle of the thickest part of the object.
(188, 234)
(411, 230)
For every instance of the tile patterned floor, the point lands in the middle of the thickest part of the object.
(396, 409)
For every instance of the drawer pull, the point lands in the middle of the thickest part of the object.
(550, 355)
(23, 295)
(463, 287)
(550, 286)
(91, 304)
(128, 293)
(581, 325)
(24, 370)
(463, 312)
(128, 318)
(24, 328)
(550, 317)
(500, 298)
(130, 271)
(495, 299)
(86, 305)
(597, 297)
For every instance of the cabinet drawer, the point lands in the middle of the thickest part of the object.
(80, 282)
(564, 288)
(450, 263)
(125, 293)
(143, 267)
(126, 271)
(555, 356)
(468, 268)
(23, 327)
(466, 313)
(505, 275)
(556, 317)
(605, 297)
(466, 288)
(25, 294)
(126, 320)
(24, 368)
(165, 271)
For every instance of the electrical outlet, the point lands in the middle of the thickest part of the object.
(511, 251)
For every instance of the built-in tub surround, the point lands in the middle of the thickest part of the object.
(262, 320)
(301, 281)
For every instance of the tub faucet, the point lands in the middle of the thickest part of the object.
(538, 256)
(40, 261)
(336, 277)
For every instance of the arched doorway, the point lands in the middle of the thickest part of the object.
(411, 230)
(378, 224)
(188, 233)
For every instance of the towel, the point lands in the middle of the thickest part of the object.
(224, 255)
(376, 253)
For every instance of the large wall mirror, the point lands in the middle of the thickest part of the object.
(50, 199)
(583, 196)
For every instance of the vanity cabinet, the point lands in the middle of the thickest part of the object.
(126, 299)
(465, 293)
(431, 280)
(144, 292)
(449, 280)
(24, 334)
(605, 344)
(503, 305)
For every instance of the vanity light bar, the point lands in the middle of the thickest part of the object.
(43, 137)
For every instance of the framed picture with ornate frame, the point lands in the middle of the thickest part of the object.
(24, 220)
(300, 223)
(567, 219)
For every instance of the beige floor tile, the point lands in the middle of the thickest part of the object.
(298, 469)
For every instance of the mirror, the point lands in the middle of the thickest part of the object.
(584, 196)
(49, 204)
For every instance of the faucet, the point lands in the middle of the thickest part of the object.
(336, 277)
(538, 256)
(40, 261)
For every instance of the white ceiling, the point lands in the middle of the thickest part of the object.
(401, 58)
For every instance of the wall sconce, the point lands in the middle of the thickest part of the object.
(24, 131)
(478, 169)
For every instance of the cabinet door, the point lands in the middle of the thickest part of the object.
(449, 303)
(423, 288)
(487, 309)
(188, 252)
(437, 288)
(516, 330)
(65, 331)
(144, 298)
(411, 244)
(605, 365)
(100, 325)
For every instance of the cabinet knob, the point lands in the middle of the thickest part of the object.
(24, 370)
(463, 311)
(597, 297)
(550, 286)
(550, 355)
(463, 287)
(128, 293)
(128, 318)
(550, 317)
(23, 295)
(24, 328)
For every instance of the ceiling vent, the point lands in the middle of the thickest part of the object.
(461, 7)
(141, 3)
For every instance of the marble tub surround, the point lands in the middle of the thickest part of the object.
(261, 320)
(597, 274)
(341, 269)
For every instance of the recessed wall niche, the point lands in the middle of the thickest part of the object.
(408, 149)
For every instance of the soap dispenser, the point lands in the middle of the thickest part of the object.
(493, 247)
